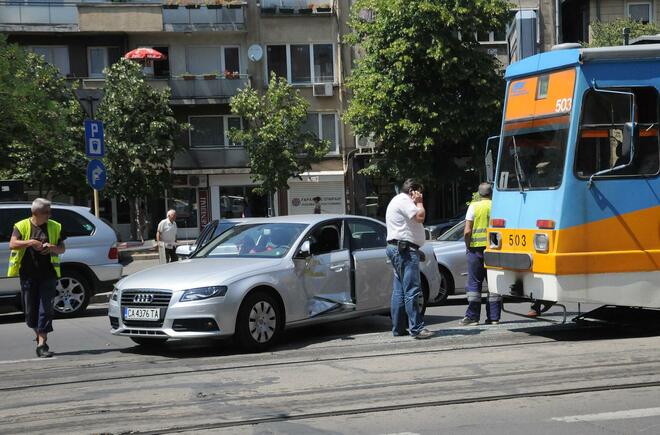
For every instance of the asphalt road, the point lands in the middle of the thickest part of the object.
(518, 377)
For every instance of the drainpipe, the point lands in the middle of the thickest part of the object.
(557, 24)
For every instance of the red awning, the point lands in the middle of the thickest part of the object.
(145, 53)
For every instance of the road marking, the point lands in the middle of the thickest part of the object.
(616, 415)
(26, 360)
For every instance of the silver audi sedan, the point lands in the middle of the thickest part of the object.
(261, 276)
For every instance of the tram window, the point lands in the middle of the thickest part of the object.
(601, 135)
(539, 163)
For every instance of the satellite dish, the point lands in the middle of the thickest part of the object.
(255, 52)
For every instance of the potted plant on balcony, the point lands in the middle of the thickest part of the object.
(188, 4)
(307, 9)
(210, 76)
(171, 4)
(234, 4)
(324, 8)
(214, 4)
(231, 75)
(188, 76)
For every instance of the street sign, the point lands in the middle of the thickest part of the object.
(94, 145)
(96, 174)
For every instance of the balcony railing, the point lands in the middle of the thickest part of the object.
(25, 13)
(204, 18)
(197, 88)
(297, 7)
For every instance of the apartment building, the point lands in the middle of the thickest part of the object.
(216, 47)
(213, 49)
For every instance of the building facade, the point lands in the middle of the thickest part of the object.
(213, 49)
(216, 47)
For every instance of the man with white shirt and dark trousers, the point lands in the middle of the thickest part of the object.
(166, 234)
(405, 235)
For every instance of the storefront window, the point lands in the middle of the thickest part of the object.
(241, 201)
(184, 201)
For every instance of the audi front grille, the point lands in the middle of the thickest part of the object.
(145, 298)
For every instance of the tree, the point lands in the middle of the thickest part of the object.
(41, 140)
(278, 148)
(423, 87)
(610, 34)
(140, 132)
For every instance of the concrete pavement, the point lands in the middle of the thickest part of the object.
(347, 377)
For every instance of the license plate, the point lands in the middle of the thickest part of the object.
(141, 314)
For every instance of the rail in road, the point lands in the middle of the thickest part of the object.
(142, 393)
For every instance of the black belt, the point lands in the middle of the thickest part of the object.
(396, 242)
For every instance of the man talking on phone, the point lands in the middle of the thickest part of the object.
(36, 244)
(405, 235)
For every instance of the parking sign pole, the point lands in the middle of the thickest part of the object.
(96, 202)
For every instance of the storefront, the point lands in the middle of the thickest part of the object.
(327, 185)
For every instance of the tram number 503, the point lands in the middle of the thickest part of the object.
(563, 105)
(517, 240)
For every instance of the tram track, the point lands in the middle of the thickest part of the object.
(413, 351)
(299, 398)
(397, 407)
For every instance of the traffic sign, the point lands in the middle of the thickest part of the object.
(94, 146)
(96, 174)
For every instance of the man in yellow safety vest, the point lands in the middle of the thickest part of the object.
(36, 244)
(476, 224)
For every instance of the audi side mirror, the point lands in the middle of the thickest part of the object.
(305, 249)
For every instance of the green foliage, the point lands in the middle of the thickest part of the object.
(426, 95)
(140, 132)
(274, 139)
(41, 139)
(611, 34)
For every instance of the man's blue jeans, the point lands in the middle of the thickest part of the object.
(406, 290)
(476, 276)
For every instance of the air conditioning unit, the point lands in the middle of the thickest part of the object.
(322, 89)
(365, 142)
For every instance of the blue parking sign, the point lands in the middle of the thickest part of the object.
(94, 145)
(96, 174)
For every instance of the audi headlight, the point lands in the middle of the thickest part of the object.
(196, 294)
(114, 296)
(541, 242)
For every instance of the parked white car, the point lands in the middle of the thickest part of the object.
(449, 251)
(261, 276)
(90, 264)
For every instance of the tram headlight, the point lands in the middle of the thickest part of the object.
(495, 239)
(541, 242)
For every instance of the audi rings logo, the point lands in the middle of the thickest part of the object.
(143, 298)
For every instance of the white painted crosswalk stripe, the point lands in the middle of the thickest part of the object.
(615, 415)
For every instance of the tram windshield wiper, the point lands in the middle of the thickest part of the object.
(517, 166)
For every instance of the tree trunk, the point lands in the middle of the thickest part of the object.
(133, 218)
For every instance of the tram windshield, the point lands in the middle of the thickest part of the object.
(532, 159)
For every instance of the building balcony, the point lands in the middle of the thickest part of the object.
(287, 8)
(209, 17)
(193, 90)
(29, 16)
(211, 158)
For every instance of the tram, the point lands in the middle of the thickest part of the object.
(576, 198)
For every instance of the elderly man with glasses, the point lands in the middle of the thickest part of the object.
(36, 244)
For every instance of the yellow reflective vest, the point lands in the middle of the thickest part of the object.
(480, 224)
(16, 255)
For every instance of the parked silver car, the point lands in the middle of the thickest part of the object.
(90, 264)
(449, 251)
(261, 276)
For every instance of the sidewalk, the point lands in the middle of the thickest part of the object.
(147, 250)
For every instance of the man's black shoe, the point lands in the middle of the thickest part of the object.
(44, 352)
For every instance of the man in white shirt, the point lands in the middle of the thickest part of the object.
(166, 235)
(405, 235)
